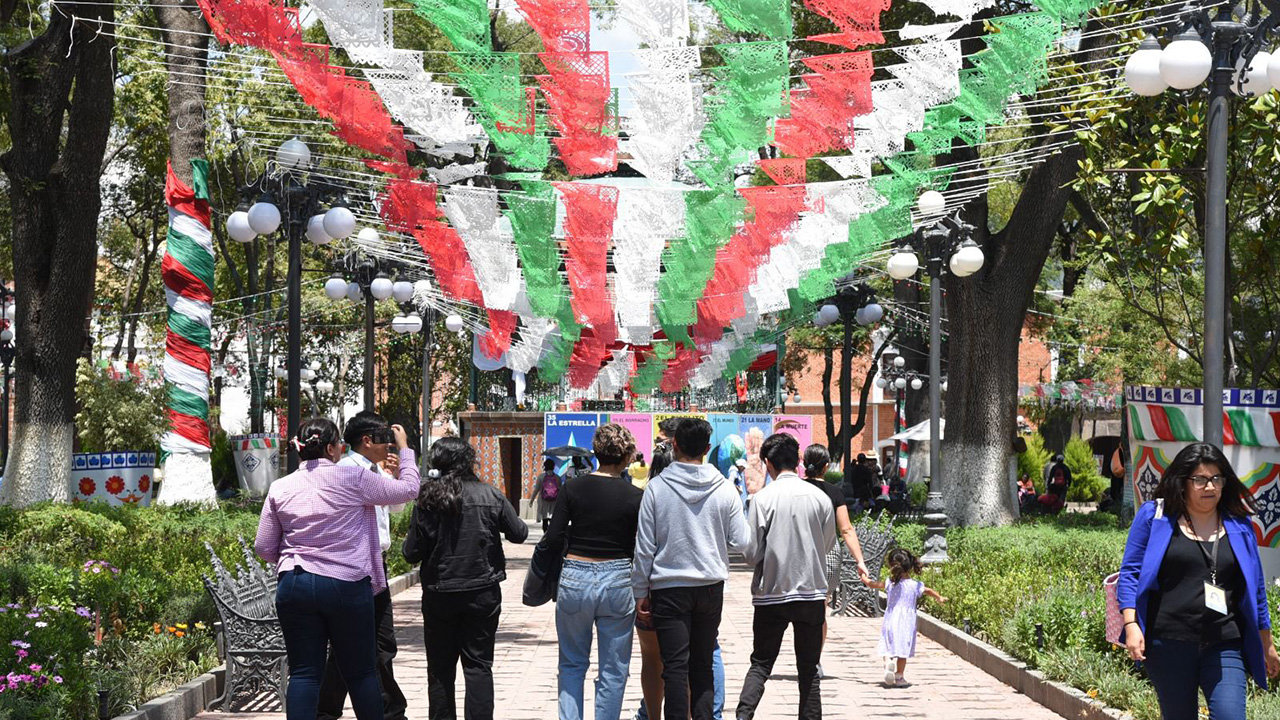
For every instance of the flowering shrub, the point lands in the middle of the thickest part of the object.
(42, 672)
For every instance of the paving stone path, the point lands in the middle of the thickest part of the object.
(944, 686)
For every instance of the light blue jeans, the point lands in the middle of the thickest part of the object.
(594, 594)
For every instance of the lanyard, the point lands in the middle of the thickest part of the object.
(1212, 564)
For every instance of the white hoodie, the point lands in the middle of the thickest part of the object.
(689, 519)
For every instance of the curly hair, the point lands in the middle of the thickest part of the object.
(452, 462)
(903, 564)
(613, 444)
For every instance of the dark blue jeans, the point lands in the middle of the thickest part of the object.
(1178, 669)
(315, 611)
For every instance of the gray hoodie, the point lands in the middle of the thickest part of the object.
(689, 519)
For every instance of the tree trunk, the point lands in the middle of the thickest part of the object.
(53, 166)
(188, 475)
(986, 314)
(833, 434)
(139, 299)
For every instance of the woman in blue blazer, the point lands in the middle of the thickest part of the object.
(1195, 608)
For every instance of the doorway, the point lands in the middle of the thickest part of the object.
(511, 454)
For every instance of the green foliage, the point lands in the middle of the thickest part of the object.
(917, 493)
(117, 414)
(1031, 463)
(1087, 484)
(222, 461)
(835, 477)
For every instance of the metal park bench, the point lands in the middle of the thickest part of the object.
(251, 640)
(848, 595)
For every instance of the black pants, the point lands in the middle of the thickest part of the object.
(687, 620)
(771, 621)
(333, 691)
(460, 625)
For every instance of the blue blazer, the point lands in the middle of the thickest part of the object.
(1149, 538)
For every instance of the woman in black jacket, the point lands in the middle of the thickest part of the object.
(455, 534)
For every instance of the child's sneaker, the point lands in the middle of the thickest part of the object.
(890, 678)
(900, 681)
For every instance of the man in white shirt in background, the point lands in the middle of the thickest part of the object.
(369, 441)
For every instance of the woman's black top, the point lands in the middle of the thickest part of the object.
(464, 551)
(1176, 609)
(597, 514)
(832, 491)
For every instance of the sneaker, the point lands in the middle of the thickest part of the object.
(890, 678)
(900, 681)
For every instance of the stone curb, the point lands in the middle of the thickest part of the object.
(191, 699)
(1061, 699)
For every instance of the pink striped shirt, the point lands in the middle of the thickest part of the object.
(321, 518)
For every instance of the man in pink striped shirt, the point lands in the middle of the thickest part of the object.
(319, 527)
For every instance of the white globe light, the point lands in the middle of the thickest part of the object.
(1142, 71)
(6, 335)
(381, 287)
(335, 288)
(339, 223)
(353, 292)
(860, 316)
(796, 398)
(400, 324)
(307, 374)
(282, 373)
(414, 321)
(873, 313)
(1273, 69)
(293, 154)
(817, 320)
(880, 382)
(903, 264)
(453, 323)
(916, 384)
(238, 227)
(315, 231)
(314, 365)
(900, 383)
(829, 314)
(944, 386)
(324, 386)
(899, 362)
(931, 202)
(967, 260)
(368, 235)
(264, 218)
(1255, 82)
(402, 291)
(1186, 62)
(1021, 419)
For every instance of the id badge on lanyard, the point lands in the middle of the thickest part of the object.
(1215, 597)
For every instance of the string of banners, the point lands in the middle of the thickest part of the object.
(671, 283)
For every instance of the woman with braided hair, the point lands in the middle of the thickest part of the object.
(320, 530)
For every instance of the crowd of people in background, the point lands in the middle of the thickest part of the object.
(643, 551)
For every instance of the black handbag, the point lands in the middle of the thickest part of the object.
(543, 578)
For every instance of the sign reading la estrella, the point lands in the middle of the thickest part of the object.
(574, 420)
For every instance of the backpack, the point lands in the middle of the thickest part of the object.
(550, 486)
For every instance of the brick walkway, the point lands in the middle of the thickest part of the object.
(525, 660)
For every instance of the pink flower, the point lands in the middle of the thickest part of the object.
(35, 668)
(97, 569)
(22, 654)
(57, 679)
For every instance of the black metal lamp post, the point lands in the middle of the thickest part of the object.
(7, 352)
(299, 214)
(948, 243)
(1227, 51)
(853, 302)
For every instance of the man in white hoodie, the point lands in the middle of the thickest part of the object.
(690, 517)
(792, 526)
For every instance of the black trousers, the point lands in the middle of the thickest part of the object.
(771, 621)
(687, 620)
(333, 691)
(460, 625)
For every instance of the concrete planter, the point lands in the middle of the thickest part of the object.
(257, 460)
(117, 478)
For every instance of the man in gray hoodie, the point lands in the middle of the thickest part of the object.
(792, 526)
(690, 517)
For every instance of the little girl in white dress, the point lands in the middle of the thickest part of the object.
(898, 630)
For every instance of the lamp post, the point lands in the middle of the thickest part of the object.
(854, 301)
(946, 243)
(7, 351)
(1226, 51)
(299, 214)
(892, 375)
(365, 277)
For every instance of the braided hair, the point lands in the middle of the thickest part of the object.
(315, 436)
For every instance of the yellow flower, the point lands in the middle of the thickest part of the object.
(199, 626)
(1093, 693)
(181, 626)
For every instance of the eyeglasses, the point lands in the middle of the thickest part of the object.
(1201, 482)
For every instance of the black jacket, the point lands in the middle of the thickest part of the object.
(464, 551)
